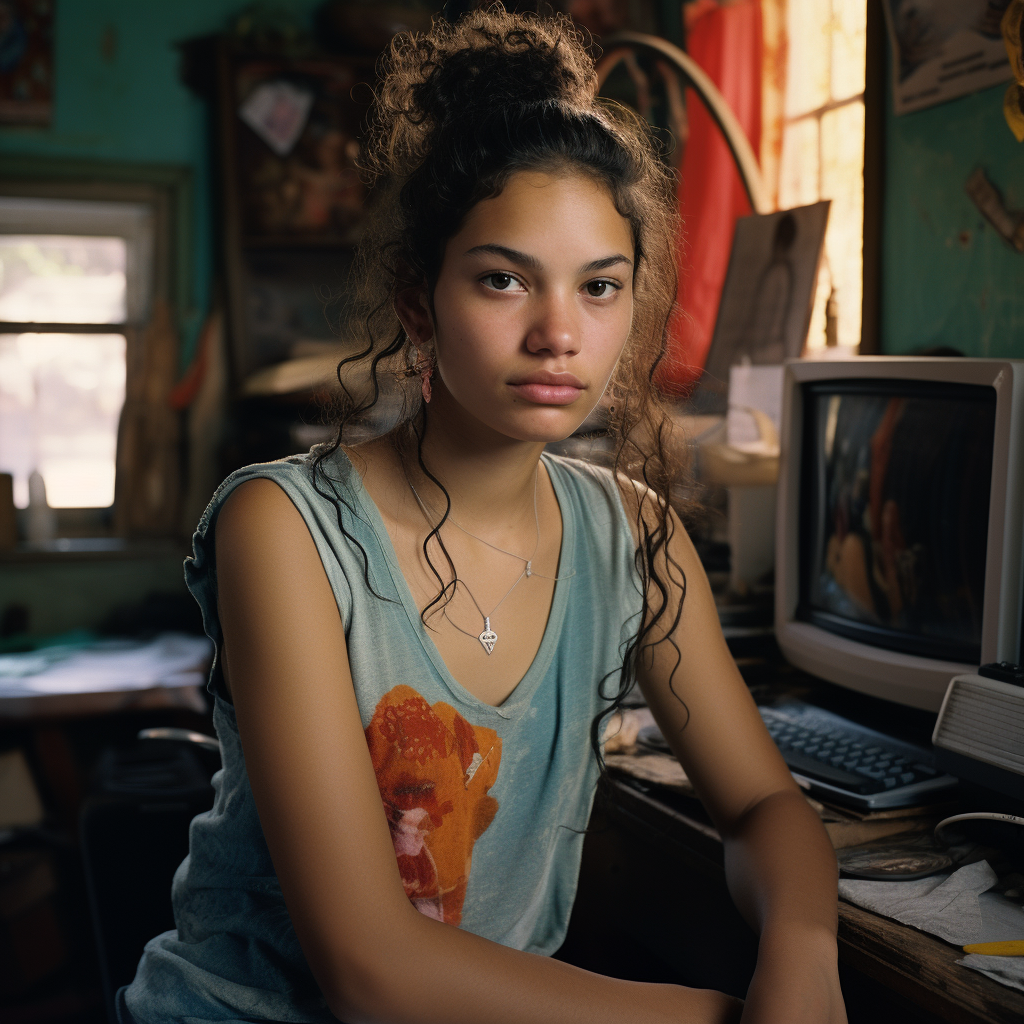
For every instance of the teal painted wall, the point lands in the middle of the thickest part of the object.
(948, 278)
(118, 97)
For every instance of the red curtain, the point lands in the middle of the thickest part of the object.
(727, 43)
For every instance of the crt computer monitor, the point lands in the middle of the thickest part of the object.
(900, 526)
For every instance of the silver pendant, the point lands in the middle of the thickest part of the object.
(529, 570)
(488, 638)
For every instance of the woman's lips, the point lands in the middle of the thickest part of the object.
(547, 394)
(542, 387)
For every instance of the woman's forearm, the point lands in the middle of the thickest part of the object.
(782, 874)
(781, 868)
(438, 974)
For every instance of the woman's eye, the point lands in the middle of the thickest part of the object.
(600, 289)
(500, 282)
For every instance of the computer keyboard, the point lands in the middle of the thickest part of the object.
(843, 762)
(849, 764)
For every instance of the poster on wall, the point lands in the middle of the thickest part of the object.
(942, 49)
(26, 61)
(296, 144)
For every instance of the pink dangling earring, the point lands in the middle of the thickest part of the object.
(425, 368)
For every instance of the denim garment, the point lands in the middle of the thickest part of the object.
(487, 843)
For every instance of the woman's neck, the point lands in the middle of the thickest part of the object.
(489, 477)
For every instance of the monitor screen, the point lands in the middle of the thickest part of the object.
(895, 483)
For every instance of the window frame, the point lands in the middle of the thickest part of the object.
(132, 222)
(874, 179)
(167, 191)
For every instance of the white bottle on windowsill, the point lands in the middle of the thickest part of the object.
(42, 520)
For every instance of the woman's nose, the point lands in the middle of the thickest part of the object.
(554, 328)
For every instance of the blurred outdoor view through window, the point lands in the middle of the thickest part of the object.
(61, 393)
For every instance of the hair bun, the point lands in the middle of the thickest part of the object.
(517, 67)
(489, 61)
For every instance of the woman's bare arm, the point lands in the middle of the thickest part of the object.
(375, 957)
(780, 865)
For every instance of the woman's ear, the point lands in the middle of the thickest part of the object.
(414, 313)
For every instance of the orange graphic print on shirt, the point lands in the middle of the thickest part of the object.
(434, 770)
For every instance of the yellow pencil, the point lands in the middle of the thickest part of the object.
(1014, 948)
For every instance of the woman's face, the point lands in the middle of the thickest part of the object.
(533, 306)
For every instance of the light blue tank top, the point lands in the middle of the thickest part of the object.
(485, 804)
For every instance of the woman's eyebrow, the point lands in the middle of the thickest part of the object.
(512, 255)
(604, 264)
(524, 259)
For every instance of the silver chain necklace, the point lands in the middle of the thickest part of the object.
(488, 638)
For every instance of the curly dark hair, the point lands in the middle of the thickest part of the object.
(459, 110)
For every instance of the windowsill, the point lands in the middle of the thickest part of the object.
(91, 549)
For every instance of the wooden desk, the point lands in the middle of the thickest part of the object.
(51, 729)
(50, 706)
(652, 906)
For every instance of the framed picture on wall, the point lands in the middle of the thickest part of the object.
(293, 146)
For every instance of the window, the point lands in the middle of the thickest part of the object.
(75, 276)
(60, 398)
(823, 146)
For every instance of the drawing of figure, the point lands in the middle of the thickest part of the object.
(763, 339)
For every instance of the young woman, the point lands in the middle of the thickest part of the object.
(417, 636)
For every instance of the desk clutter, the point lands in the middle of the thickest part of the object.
(953, 888)
(85, 664)
(969, 906)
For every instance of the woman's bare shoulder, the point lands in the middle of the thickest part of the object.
(255, 510)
